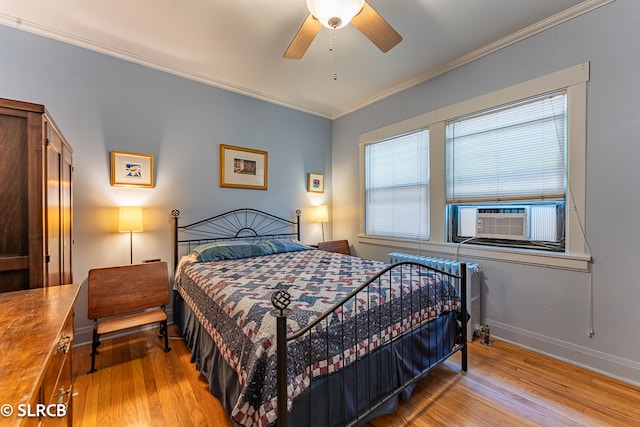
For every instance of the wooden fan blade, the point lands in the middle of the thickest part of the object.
(303, 38)
(375, 28)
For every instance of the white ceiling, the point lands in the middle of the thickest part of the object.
(238, 44)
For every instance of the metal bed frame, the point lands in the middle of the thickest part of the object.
(255, 225)
(238, 224)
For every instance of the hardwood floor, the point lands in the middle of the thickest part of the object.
(137, 384)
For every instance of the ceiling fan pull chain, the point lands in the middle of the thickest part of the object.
(332, 39)
(332, 42)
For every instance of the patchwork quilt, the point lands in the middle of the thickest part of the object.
(232, 300)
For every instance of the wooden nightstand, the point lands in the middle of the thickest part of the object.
(338, 246)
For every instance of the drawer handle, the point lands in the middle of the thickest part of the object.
(61, 394)
(64, 344)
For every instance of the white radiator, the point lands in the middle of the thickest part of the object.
(452, 267)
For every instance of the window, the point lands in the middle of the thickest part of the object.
(506, 174)
(505, 177)
(397, 186)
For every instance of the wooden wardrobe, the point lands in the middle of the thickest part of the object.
(35, 198)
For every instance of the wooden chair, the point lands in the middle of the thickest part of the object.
(127, 297)
(339, 246)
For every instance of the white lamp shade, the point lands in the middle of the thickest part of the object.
(326, 10)
(130, 218)
(321, 214)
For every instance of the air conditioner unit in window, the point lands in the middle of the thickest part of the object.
(502, 223)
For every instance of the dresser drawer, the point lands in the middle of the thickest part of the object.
(61, 396)
(56, 385)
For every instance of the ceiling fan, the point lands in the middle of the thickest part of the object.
(336, 14)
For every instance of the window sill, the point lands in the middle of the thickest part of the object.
(450, 250)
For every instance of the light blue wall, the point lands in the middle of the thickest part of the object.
(547, 309)
(103, 104)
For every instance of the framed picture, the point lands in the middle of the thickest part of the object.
(243, 168)
(315, 183)
(131, 169)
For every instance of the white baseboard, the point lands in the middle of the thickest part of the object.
(613, 366)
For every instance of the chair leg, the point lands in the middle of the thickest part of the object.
(95, 342)
(165, 331)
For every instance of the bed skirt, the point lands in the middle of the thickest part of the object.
(327, 394)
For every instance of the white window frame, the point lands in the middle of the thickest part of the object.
(576, 255)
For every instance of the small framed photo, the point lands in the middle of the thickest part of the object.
(243, 167)
(131, 169)
(315, 183)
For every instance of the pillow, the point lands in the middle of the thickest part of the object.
(284, 245)
(233, 249)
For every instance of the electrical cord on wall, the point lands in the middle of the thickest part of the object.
(460, 244)
(591, 332)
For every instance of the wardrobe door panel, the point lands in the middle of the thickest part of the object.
(66, 210)
(53, 243)
(14, 224)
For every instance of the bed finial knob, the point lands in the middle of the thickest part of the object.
(281, 300)
(175, 213)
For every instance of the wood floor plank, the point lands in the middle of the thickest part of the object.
(105, 391)
(138, 384)
(151, 391)
(138, 391)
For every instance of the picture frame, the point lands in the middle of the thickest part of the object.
(131, 169)
(315, 183)
(243, 167)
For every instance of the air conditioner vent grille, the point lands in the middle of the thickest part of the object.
(498, 224)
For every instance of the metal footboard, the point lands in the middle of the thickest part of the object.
(363, 342)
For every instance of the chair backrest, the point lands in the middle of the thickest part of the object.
(125, 289)
(339, 246)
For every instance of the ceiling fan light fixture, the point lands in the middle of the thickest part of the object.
(334, 13)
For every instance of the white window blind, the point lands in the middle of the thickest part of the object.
(397, 186)
(514, 152)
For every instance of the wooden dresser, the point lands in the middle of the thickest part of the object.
(36, 334)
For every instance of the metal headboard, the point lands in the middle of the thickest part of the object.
(238, 224)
